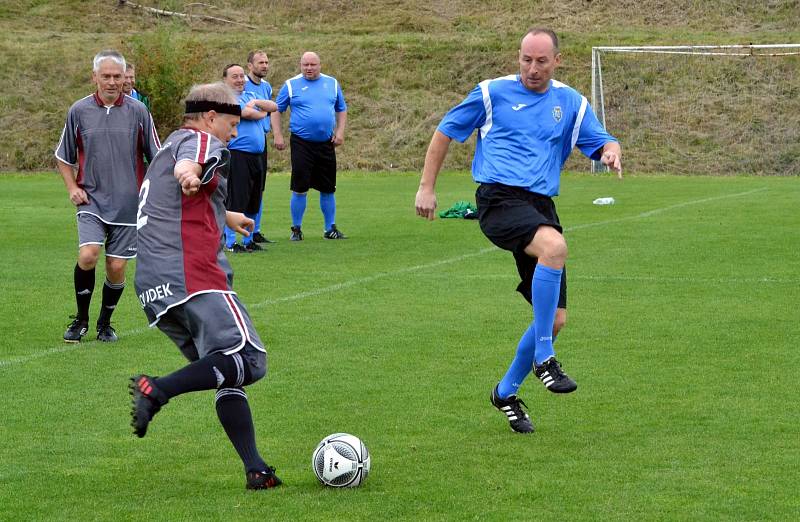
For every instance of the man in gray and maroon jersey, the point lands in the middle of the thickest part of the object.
(184, 282)
(101, 154)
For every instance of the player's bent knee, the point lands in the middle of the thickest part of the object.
(256, 365)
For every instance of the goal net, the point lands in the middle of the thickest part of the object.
(701, 109)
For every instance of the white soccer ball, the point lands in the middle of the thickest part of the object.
(341, 460)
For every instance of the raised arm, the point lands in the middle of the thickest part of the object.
(434, 158)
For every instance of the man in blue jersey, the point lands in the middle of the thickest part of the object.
(107, 139)
(247, 157)
(527, 125)
(257, 69)
(317, 123)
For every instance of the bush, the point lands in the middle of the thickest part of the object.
(165, 71)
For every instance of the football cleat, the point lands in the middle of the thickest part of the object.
(334, 233)
(237, 249)
(252, 246)
(258, 237)
(147, 401)
(76, 330)
(263, 479)
(106, 333)
(297, 234)
(512, 406)
(553, 377)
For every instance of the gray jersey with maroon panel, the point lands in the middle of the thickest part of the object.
(108, 146)
(180, 238)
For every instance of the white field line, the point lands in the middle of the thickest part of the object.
(656, 279)
(368, 279)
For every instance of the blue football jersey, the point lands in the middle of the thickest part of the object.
(525, 137)
(314, 106)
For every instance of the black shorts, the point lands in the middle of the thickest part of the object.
(509, 217)
(313, 165)
(245, 181)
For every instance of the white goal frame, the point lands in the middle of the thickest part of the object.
(598, 100)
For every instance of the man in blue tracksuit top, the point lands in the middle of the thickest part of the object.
(527, 125)
(317, 123)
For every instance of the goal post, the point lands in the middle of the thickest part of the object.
(701, 109)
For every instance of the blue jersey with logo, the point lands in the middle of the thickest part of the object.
(525, 137)
(261, 91)
(250, 133)
(314, 104)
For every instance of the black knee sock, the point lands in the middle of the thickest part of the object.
(234, 415)
(111, 294)
(84, 286)
(210, 372)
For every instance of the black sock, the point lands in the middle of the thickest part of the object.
(234, 415)
(208, 373)
(84, 287)
(111, 294)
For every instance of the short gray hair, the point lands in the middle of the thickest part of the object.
(108, 54)
(213, 92)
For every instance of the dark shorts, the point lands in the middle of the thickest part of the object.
(313, 165)
(509, 217)
(245, 181)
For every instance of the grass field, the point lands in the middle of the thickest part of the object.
(682, 335)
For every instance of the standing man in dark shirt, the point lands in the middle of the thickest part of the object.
(101, 156)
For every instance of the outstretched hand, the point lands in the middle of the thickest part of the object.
(239, 223)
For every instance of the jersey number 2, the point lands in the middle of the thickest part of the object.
(143, 192)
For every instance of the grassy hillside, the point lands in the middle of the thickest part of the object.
(402, 64)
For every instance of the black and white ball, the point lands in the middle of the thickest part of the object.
(341, 460)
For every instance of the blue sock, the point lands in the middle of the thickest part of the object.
(230, 237)
(545, 288)
(257, 216)
(297, 206)
(327, 203)
(520, 367)
(246, 240)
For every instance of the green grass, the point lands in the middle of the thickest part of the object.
(682, 336)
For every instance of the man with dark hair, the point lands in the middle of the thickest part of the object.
(317, 123)
(247, 156)
(106, 141)
(528, 125)
(257, 68)
(184, 280)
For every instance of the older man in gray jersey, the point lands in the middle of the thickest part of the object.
(101, 156)
(184, 281)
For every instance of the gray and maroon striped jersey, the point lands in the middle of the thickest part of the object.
(180, 237)
(108, 146)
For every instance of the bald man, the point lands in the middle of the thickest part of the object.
(528, 125)
(317, 123)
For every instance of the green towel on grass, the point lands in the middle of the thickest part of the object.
(461, 209)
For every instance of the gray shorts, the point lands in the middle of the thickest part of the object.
(213, 322)
(119, 240)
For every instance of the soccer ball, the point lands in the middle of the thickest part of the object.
(341, 461)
